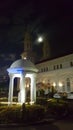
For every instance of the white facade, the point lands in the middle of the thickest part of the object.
(57, 72)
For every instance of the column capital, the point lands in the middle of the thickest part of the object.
(11, 75)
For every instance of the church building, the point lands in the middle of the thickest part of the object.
(56, 72)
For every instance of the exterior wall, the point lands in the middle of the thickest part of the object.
(58, 71)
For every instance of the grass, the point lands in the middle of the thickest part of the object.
(30, 113)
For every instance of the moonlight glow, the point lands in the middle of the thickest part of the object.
(40, 39)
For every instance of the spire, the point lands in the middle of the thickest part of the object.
(27, 42)
(46, 49)
(28, 47)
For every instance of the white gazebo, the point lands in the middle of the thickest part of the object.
(21, 69)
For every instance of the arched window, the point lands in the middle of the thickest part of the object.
(63, 88)
(68, 84)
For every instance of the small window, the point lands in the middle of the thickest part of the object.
(46, 68)
(57, 67)
(54, 67)
(41, 70)
(71, 63)
(60, 66)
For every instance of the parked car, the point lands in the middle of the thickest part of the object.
(70, 96)
(60, 95)
(63, 95)
(56, 95)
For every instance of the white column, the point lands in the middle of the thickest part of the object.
(18, 88)
(10, 96)
(33, 89)
(22, 90)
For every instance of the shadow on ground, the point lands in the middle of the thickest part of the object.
(44, 127)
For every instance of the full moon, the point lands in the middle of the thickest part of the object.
(40, 39)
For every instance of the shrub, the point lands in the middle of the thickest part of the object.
(15, 114)
(33, 113)
(9, 114)
(41, 101)
(57, 109)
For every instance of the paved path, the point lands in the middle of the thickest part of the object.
(37, 127)
(64, 124)
(58, 125)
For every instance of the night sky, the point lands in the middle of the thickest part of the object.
(53, 18)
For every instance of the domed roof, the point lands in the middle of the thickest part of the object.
(23, 64)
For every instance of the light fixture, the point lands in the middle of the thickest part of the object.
(60, 84)
(54, 84)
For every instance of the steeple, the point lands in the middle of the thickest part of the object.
(27, 42)
(28, 47)
(46, 49)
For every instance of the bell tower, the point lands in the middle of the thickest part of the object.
(28, 47)
(46, 49)
(27, 42)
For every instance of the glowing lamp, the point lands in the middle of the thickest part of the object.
(60, 84)
(54, 84)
